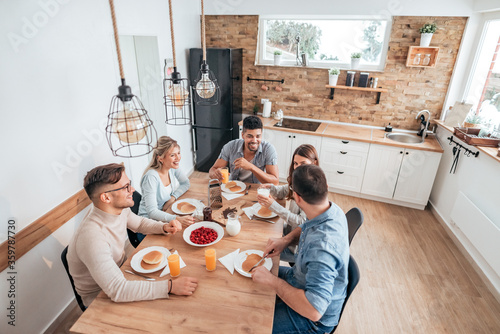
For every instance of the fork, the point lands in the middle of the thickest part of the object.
(145, 277)
(246, 192)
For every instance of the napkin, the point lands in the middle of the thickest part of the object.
(166, 271)
(228, 260)
(249, 211)
(231, 196)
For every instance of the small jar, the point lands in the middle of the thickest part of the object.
(427, 60)
(207, 214)
(416, 60)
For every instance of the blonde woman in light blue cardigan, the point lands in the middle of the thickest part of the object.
(163, 182)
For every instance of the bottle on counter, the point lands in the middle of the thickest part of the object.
(416, 60)
(427, 60)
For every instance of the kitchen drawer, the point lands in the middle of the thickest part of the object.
(344, 179)
(344, 144)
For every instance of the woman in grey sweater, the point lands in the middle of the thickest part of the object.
(304, 155)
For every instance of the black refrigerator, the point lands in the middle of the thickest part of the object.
(216, 125)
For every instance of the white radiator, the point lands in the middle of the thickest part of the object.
(480, 230)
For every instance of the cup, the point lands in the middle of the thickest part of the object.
(174, 264)
(225, 174)
(210, 259)
(264, 191)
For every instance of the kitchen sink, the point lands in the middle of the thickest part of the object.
(405, 138)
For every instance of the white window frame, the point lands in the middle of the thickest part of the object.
(261, 40)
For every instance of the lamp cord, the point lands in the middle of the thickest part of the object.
(117, 42)
(172, 30)
(203, 31)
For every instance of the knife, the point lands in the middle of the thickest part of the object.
(258, 218)
(263, 258)
(250, 186)
(145, 277)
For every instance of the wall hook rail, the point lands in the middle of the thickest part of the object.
(467, 152)
(265, 80)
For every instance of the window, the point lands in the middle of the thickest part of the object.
(484, 85)
(327, 42)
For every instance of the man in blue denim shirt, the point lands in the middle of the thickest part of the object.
(250, 159)
(313, 290)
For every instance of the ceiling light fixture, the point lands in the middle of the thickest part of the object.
(176, 89)
(206, 87)
(130, 131)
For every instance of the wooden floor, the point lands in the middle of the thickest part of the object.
(413, 278)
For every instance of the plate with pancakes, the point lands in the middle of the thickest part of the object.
(186, 206)
(150, 259)
(247, 259)
(233, 187)
(263, 212)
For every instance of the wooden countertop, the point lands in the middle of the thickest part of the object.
(357, 133)
(491, 151)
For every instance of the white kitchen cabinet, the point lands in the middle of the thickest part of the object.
(400, 174)
(285, 144)
(343, 162)
(416, 176)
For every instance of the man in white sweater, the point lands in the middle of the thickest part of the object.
(97, 249)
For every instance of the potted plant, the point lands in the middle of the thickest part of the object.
(333, 76)
(472, 121)
(277, 57)
(426, 33)
(355, 59)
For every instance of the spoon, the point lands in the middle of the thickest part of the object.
(145, 277)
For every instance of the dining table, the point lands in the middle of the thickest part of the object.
(222, 303)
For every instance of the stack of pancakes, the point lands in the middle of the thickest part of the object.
(233, 186)
(186, 207)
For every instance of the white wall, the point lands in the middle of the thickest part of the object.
(341, 7)
(478, 179)
(58, 74)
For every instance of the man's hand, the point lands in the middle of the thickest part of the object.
(172, 227)
(243, 164)
(263, 276)
(215, 173)
(185, 220)
(168, 203)
(184, 286)
(275, 246)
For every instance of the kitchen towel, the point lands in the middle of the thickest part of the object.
(228, 260)
(166, 271)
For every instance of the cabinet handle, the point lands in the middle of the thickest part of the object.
(340, 172)
(406, 153)
(343, 152)
(345, 141)
(289, 136)
(293, 136)
(401, 152)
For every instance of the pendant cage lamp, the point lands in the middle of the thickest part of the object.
(206, 86)
(129, 131)
(176, 90)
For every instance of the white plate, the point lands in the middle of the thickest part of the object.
(256, 207)
(135, 263)
(192, 201)
(240, 258)
(212, 225)
(238, 183)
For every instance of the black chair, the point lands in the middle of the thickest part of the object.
(65, 264)
(353, 276)
(354, 222)
(132, 236)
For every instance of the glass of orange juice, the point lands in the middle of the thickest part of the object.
(174, 264)
(210, 259)
(225, 174)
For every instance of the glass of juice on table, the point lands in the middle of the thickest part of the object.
(225, 175)
(210, 259)
(174, 264)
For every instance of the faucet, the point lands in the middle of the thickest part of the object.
(423, 131)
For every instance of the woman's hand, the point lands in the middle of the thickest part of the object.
(186, 220)
(184, 286)
(172, 226)
(168, 203)
(265, 201)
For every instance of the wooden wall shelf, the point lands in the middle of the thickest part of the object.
(379, 91)
(433, 51)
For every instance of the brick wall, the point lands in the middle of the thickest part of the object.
(304, 93)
